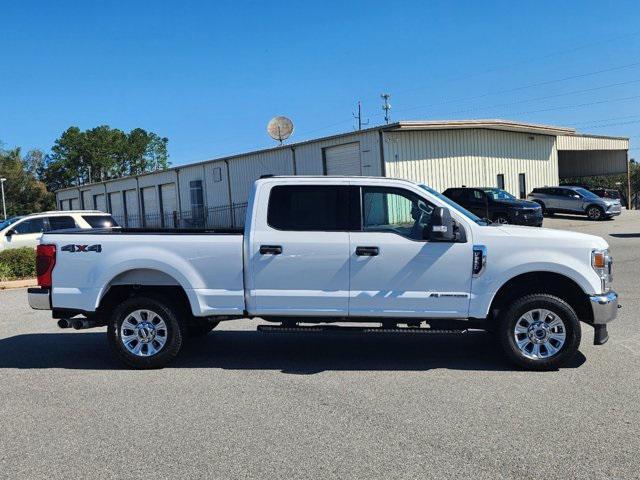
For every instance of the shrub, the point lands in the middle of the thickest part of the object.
(17, 263)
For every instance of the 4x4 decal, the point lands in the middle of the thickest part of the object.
(82, 248)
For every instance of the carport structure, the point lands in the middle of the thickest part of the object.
(593, 155)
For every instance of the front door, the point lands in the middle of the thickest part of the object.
(394, 271)
(299, 252)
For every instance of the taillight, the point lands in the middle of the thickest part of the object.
(45, 261)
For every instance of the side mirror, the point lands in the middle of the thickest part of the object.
(11, 232)
(442, 227)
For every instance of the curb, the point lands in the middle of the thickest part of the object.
(29, 282)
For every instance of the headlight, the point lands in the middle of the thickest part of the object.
(602, 263)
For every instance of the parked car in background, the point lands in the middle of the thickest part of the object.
(26, 231)
(576, 200)
(606, 193)
(497, 205)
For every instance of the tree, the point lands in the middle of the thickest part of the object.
(23, 192)
(102, 153)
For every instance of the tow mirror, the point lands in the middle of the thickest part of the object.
(442, 227)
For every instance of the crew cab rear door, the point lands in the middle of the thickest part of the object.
(298, 252)
(394, 271)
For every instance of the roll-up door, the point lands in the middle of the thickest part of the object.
(169, 204)
(115, 202)
(87, 202)
(100, 202)
(343, 159)
(131, 202)
(150, 207)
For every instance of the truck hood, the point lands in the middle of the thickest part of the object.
(517, 203)
(547, 236)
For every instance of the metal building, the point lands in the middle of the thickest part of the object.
(513, 155)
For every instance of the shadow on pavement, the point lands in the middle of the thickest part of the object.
(625, 235)
(300, 354)
(584, 218)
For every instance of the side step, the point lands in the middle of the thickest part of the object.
(354, 329)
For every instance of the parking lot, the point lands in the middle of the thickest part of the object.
(241, 404)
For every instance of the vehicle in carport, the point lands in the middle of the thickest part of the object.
(575, 200)
(497, 205)
(398, 256)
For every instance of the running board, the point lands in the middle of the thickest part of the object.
(350, 329)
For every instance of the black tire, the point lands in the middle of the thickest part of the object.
(173, 334)
(560, 309)
(595, 212)
(200, 328)
(501, 218)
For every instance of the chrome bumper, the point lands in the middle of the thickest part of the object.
(39, 298)
(604, 307)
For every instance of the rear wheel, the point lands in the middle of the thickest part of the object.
(595, 212)
(145, 332)
(539, 332)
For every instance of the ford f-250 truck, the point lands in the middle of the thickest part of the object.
(317, 251)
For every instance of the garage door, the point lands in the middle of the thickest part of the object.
(100, 202)
(115, 202)
(131, 201)
(169, 204)
(150, 207)
(343, 159)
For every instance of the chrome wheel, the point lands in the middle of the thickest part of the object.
(594, 213)
(143, 333)
(539, 334)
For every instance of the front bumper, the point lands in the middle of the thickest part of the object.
(39, 298)
(604, 307)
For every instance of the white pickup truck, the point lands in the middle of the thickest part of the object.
(322, 250)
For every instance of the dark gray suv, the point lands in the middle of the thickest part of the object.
(575, 200)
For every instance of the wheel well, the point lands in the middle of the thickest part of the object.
(593, 205)
(171, 293)
(543, 282)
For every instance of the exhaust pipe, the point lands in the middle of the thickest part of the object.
(82, 323)
(64, 323)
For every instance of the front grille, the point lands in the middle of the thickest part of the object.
(531, 211)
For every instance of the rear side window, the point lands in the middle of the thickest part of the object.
(100, 221)
(309, 208)
(33, 225)
(61, 223)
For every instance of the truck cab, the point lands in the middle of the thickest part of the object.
(317, 251)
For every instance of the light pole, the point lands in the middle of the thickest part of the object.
(4, 207)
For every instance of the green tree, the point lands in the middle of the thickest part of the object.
(102, 153)
(23, 192)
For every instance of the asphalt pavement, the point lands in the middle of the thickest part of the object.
(243, 404)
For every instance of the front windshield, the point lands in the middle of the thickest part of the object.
(499, 194)
(5, 223)
(454, 205)
(586, 193)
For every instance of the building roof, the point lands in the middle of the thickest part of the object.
(403, 125)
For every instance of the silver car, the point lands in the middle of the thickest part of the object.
(575, 200)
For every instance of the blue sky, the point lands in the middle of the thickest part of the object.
(209, 75)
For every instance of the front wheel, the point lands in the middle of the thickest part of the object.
(595, 213)
(539, 332)
(145, 332)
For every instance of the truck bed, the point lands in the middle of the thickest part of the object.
(150, 231)
(207, 264)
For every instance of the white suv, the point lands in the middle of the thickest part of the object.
(26, 231)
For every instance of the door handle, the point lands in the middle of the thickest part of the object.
(270, 249)
(367, 251)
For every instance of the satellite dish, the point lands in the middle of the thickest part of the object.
(280, 128)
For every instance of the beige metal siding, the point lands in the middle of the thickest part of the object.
(578, 142)
(583, 163)
(450, 158)
(246, 170)
(309, 156)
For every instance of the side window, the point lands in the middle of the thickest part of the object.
(314, 208)
(61, 223)
(395, 210)
(477, 196)
(33, 225)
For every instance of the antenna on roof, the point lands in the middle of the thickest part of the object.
(280, 128)
(386, 107)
